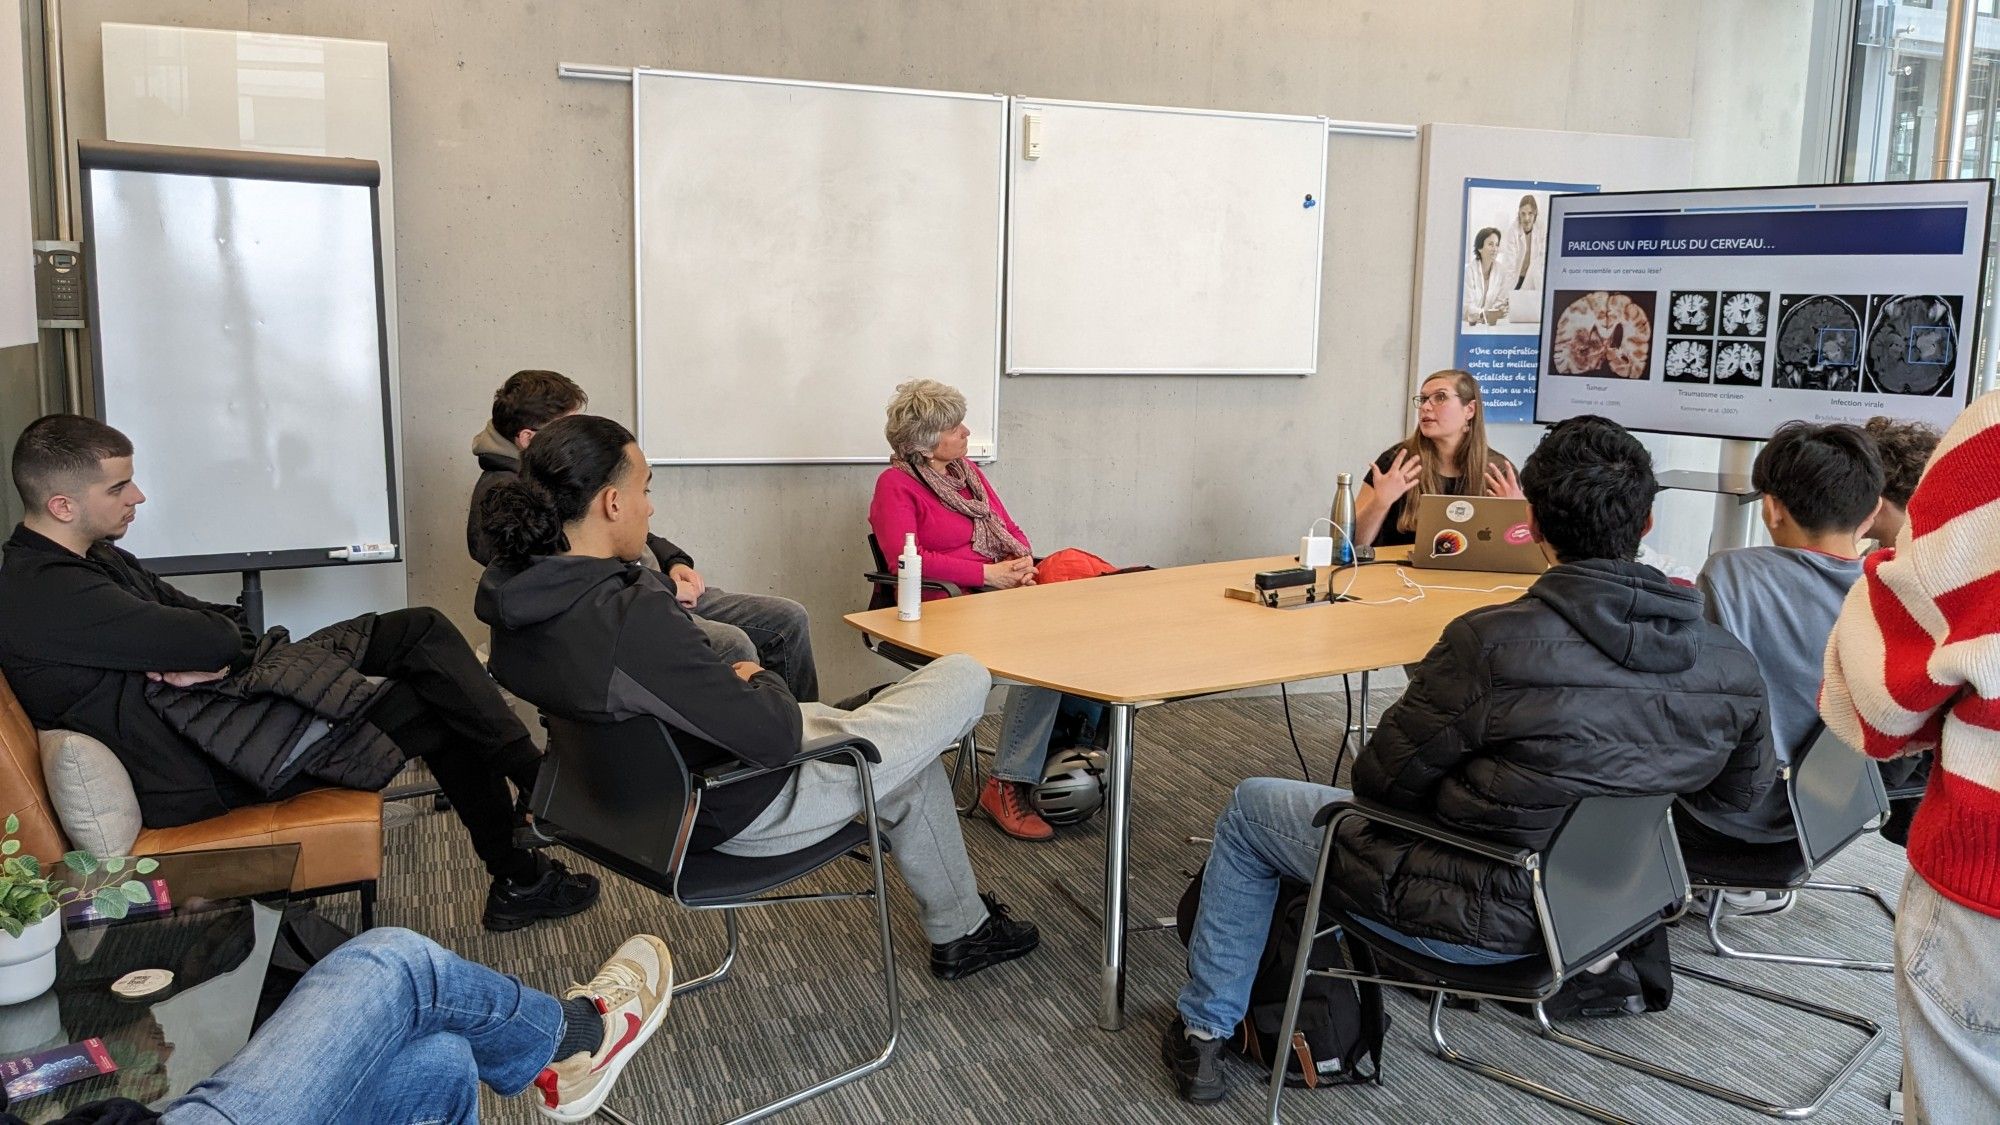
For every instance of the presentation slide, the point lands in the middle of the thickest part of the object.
(1727, 313)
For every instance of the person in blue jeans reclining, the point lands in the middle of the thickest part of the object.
(392, 1027)
(1604, 679)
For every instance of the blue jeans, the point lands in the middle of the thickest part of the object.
(770, 630)
(1264, 834)
(1025, 726)
(391, 1029)
(1945, 981)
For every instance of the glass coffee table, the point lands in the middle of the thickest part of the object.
(216, 937)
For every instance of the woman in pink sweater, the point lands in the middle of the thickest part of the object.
(1914, 664)
(966, 538)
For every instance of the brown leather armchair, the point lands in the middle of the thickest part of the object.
(339, 831)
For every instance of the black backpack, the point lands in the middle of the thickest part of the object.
(1338, 1038)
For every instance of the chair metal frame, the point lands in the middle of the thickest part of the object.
(666, 877)
(1835, 795)
(1585, 880)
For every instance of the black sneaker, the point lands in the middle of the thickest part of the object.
(1196, 1064)
(556, 893)
(1613, 992)
(998, 939)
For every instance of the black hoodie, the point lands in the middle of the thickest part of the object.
(500, 460)
(595, 639)
(1603, 680)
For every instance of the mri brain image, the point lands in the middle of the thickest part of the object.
(1739, 363)
(1691, 312)
(1816, 343)
(1912, 344)
(1688, 361)
(1603, 334)
(1745, 314)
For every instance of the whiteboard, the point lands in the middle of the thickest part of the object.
(237, 337)
(298, 94)
(802, 248)
(1147, 240)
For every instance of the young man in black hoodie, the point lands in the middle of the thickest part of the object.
(772, 631)
(1603, 679)
(583, 631)
(92, 641)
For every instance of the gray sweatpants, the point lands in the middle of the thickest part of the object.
(910, 723)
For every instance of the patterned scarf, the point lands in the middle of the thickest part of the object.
(990, 537)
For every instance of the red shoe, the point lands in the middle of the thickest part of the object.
(1007, 803)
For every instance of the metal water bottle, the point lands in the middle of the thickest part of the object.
(909, 581)
(1343, 521)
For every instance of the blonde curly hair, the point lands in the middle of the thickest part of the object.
(919, 414)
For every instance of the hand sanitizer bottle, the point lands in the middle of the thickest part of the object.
(909, 581)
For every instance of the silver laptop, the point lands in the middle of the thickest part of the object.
(1475, 533)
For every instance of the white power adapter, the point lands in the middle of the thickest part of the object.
(1316, 550)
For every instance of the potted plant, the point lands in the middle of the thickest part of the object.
(31, 902)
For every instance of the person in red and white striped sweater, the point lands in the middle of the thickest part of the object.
(1914, 664)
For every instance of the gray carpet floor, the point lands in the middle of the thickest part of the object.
(1019, 1043)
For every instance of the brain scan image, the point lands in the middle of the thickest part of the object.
(1744, 314)
(1810, 355)
(1739, 363)
(1839, 347)
(1912, 344)
(1691, 312)
(1688, 361)
(1603, 334)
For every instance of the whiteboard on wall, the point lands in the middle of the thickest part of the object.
(238, 338)
(802, 248)
(1149, 240)
(17, 233)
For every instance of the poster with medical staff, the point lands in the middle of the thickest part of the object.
(1505, 240)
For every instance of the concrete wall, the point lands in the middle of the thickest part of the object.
(508, 176)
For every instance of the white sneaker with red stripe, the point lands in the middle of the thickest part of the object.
(633, 990)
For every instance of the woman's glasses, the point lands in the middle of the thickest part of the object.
(1435, 398)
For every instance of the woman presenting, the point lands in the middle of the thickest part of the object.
(1448, 454)
(965, 537)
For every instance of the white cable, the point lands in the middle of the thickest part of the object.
(1423, 591)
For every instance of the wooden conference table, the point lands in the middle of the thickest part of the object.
(1134, 640)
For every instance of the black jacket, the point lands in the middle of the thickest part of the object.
(296, 710)
(589, 638)
(499, 460)
(78, 635)
(1603, 679)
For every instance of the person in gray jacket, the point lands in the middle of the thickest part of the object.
(770, 630)
(1822, 489)
(583, 631)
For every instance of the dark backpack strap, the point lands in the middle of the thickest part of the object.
(1374, 1022)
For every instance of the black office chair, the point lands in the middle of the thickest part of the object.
(1611, 873)
(882, 595)
(620, 795)
(1836, 795)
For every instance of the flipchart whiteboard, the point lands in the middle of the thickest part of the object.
(238, 338)
(1152, 240)
(802, 248)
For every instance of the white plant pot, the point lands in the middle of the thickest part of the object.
(28, 962)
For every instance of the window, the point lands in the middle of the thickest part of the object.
(1893, 101)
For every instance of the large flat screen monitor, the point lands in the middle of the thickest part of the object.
(1726, 313)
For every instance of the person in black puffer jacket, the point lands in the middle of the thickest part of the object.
(1604, 679)
(206, 716)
